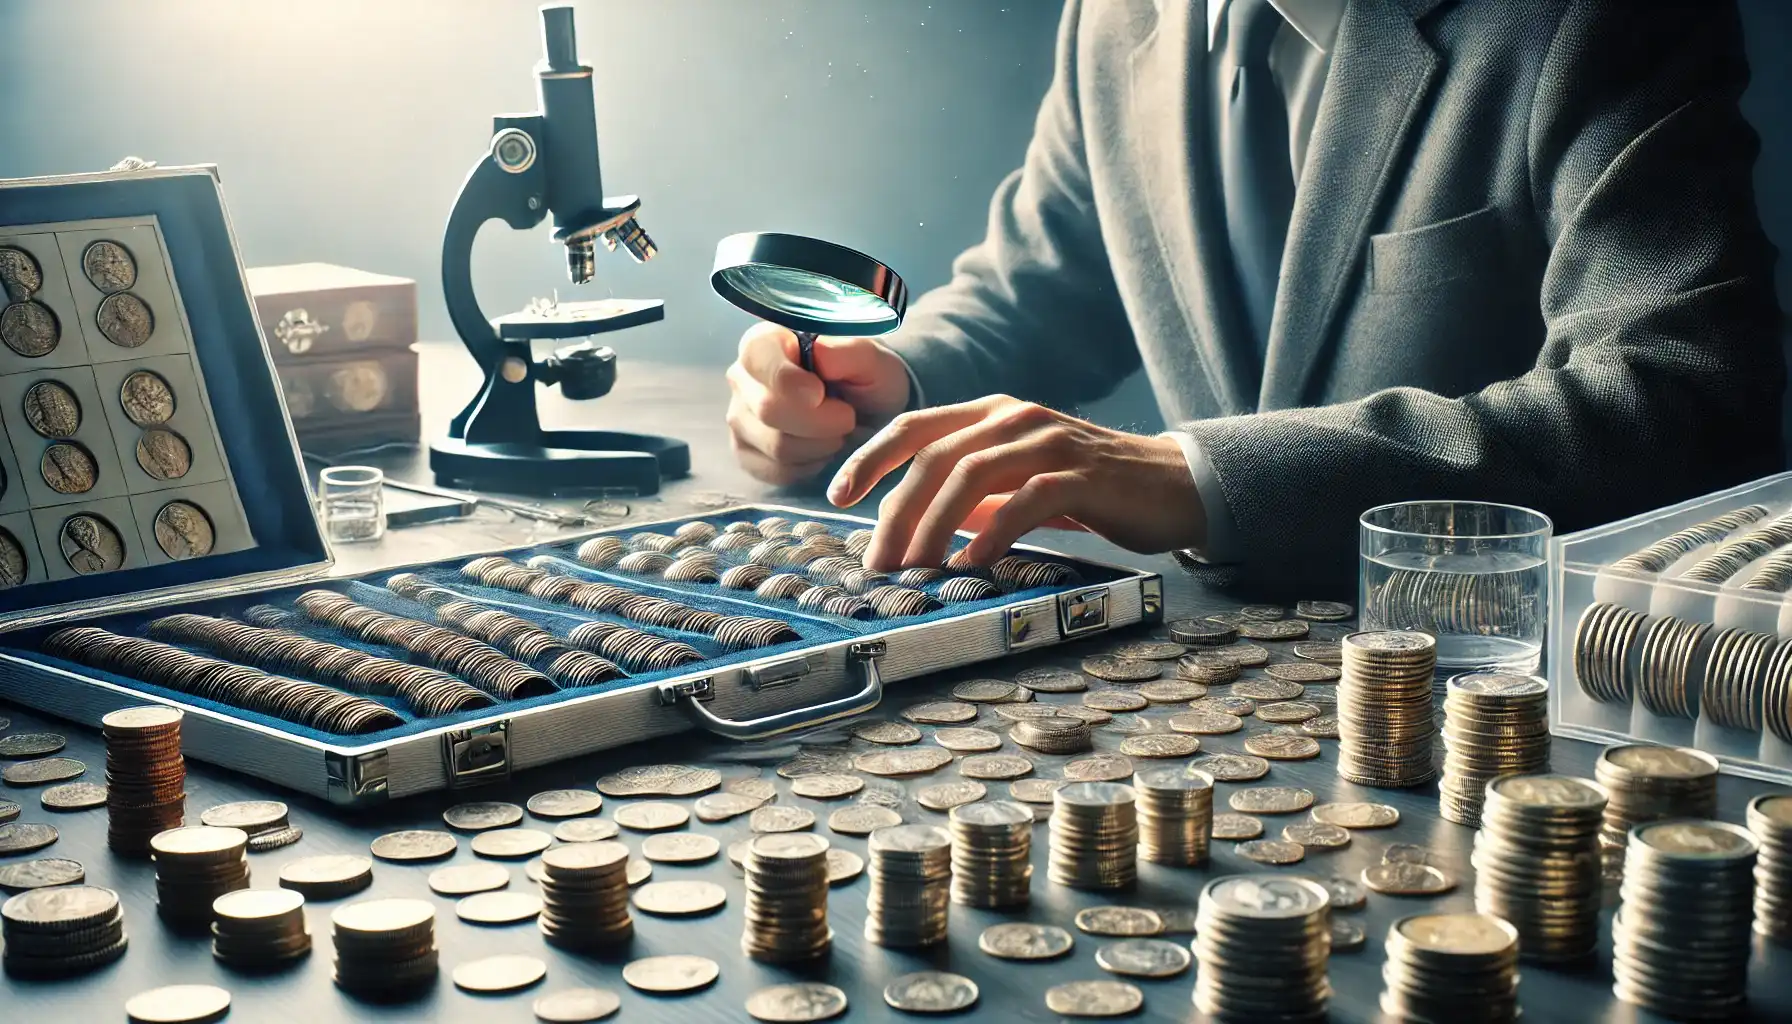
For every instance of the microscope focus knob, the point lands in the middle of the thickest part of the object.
(583, 371)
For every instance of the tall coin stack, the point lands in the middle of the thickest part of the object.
(385, 949)
(1650, 783)
(146, 778)
(1095, 836)
(584, 896)
(1175, 815)
(61, 931)
(1536, 861)
(1770, 819)
(1681, 940)
(258, 929)
(787, 898)
(992, 854)
(1263, 942)
(1385, 724)
(194, 866)
(910, 868)
(1494, 724)
(1451, 969)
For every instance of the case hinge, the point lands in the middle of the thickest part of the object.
(1083, 611)
(474, 757)
(353, 779)
(696, 689)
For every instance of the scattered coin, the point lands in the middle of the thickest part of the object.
(1271, 800)
(862, 820)
(1125, 922)
(1282, 747)
(843, 866)
(565, 803)
(1268, 689)
(30, 744)
(1236, 826)
(888, 733)
(1303, 672)
(1407, 880)
(1325, 652)
(1263, 612)
(1052, 679)
(655, 816)
(1093, 998)
(940, 712)
(1201, 632)
(1232, 767)
(36, 773)
(25, 837)
(414, 845)
(1348, 936)
(1099, 768)
(18, 876)
(1237, 707)
(1143, 958)
(1284, 629)
(1172, 691)
(585, 830)
(904, 761)
(1206, 723)
(251, 816)
(754, 788)
(985, 691)
(1244, 655)
(828, 786)
(1406, 853)
(667, 975)
(479, 817)
(467, 879)
(275, 839)
(1357, 815)
(1019, 940)
(498, 908)
(679, 899)
(1272, 851)
(512, 843)
(494, 974)
(798, 1002)
(1035, 791)
(178, 1004)
(948, 795)
(682, 847)
(781, 819)
(1121, 670)
(1316, 836)
(659, 780)
(815, 762)
(1112, 700)
(1347, 894)
(638, 871)
(1324, 727)
(967, 740)
(329, 877)
(9, 811)
(1159, 744)
(931, 992)
(1149, 650)
(1287, 711)
(576, 1005)
(1323, 611)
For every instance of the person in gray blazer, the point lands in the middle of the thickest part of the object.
(1365, 250)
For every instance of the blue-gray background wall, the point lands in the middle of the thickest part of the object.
(344, 127)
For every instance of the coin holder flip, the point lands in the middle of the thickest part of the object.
(53, 293)
(188, 421)
(13, 496)
(48, 525)
(153, 287)
(92, 436)
(19, 527)
(216, 501)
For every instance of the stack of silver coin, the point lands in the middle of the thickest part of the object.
(60, 931)
(584, 896)
(194, 866)
(1536, 861)
(1054, 735)
(1385, 724)
(1770, 819)
(385, 949)
(1650, 783)
(259, 928)
(1451, 969)
(1495, 724)
(1681, 940)
(1263, 942)
(992, 854)
(910, 868)
(1175, 814)
(787, 897)
(1095, 836)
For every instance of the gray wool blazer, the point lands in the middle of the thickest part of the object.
(1524, 266)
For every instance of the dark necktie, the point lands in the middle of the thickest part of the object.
(1255, 171)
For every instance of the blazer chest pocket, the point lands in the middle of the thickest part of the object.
(1461, 248)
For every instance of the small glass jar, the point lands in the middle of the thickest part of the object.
(353, 503)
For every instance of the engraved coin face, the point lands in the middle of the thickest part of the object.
(948, 795)
(862, 819)
(146, 398)
(797, 1002)
(1400, 879)
(125, 320)
(673, 973)
(1236, 827)
(1119, 921)
(1023, 941)
(13, 565)
(109, 266)
(178, 1004)
(1357, 815)
(1233, 767)
(481, 816)
(966, 740)
(1469, 935)
(887, 733)
(163, 454)
(577, 1005)
(1282, 747)
(20, 275)
(74, 796)
(30, 329)
(680, 848)
(1114, 700)
(1548, 791)
(1271, 800)
(653, 816)
(931, 992)
(1661, 762)
(565, 803)
(69, 468)
(1159, 744)
(659, 780)
(1093, 998)
(779, 819)
(90, 544)
(586, 830)
(1324, 611)
(995, 766)
(1265, 897)
(467, 879)
(1099, 768)
(1272, 851)
(940, 712)
(184, 531)
(1316, 836)
(1143, 958)
(1121, 670)
(1303, 672)
(24, 875)
(358, 387)
(1703, 840)
(1051, 679)
(1288, 712)
(52, 410)
(986, 691)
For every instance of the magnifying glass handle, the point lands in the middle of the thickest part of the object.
(805, 350)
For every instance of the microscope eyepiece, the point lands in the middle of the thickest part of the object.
(558, 42)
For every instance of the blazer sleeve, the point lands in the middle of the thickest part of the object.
(1032, 310)
(1660, 376)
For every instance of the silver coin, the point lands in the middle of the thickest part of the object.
(68, 468)
(1324, 611)
(25, 836)
(680, 848)
(679, 899)
(30, 329)
(1401, 879)
(576, 1006)
(826, 786)
(251, 816)
(1099, 768)
(109, 266)
(903, 761)
(781, 819)
(1232, 767)
(714, 807)
(1123, 922)
(1348, 936)
(467, 879)
(1160, 744)
(796, 1003)
(20, 275)
(887, 733)
(1281, 746)
(1143, 958)
(565, 803)
(52, 410)
(862, 820)
(586, 830)
(1347, 894)
(1271, 800)
(940, 712)
(1114, 700)
(1357, 815)
(659, 780)
(1149, 650)
(653, 816)
(985, 691)
(995, 766)
(931, 992)
(1023, 941)
(125, 320)
(24, 875)
(948, 795)
(1315, 835)
(164, 454)
(1282, 629)
(13, 566)
(146, 398)
(495, 974)
(90, 544)
(498, 908)
(965, 740)
(1094, 998)
(755, 788)
(1121, 670)
(1052, 679)
(183, 530)
(1271, 851)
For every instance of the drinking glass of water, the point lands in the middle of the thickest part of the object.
(354, 503)
(1473, 574)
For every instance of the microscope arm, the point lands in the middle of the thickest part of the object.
(490, 193)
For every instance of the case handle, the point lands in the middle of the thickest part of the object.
(862, 656)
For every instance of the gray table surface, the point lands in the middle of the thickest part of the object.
(687, 403)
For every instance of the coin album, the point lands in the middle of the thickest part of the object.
(1675, 627)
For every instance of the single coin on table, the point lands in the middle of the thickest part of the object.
(1200, 632)
(25, 837)
(638, 871)
(414, 845)
(1149, 650)
(796, 1003)
(862, 819)
(887, 733)
(1207, 667)
(1143, 958)
(1237, 707)
(1019, 940)
(1035, 791)
(773, 818)
(653, 816)
(1114, 700)
(1283, 629)
(1160, 744)
(1052, 679)
(9, 811)
(1099, 768)
(1244, 655)
(947, 795)
(467, 879)
(903, 761)
(679, 899)
(931, 992)
(714, 807)
(566, 803)
(843, 866)
(249, 815)
(1288, 712)
(498, 908)
(681, 847)
(1346, 893)
(73, 796)
(482, 816)
(30, 744)
(1348, 936)
(1232, 767)
(1094, 999)
(995, 767)
(986, 691)
(21, 875)
(659, 780)
(1206, 723)
(1324, 727)
(1123, 922)
(328, 877)
(494, 974)
(1272, 851)
(1271, 800)
(275, 839)
(1401, 879)
(1406, 853)
(1262, 612)
(109, 266)
(1172, 691)
(511, 843)
(1282, 747)
(1303, 672)
(1324, 611)
(674, 973)
(967, 740)
(1357, 815)
(815, 762)
(1325, 652)
(1121, 670)
(1236, 826)
(1315, 836)
(576, 1006)
(940, 712)
(178, 1004)
(754, 788)
(1268, 689)
(586, 830)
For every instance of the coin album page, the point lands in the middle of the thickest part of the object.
(112, 459)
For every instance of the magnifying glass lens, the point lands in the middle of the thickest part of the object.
(802, 293)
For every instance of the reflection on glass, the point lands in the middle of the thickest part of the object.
(801, 293)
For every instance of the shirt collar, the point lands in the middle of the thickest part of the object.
(1316, 20)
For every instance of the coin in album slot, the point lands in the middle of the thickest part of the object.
(576, 1006)
(1315, 836)
(1052, 679)
(774, 818)
(414, 845)
(482, 816)
(1282, 629)
(37, 773)
(887, 733)
(671, 974)
(679, 899)
(826, 786)
(467, 879)
(1094, 999)
(20, 274)
(1357, 815)
(30, 329)
(31, 744)
(964, 740)
(164, 454)
(1282, 747)
(109, 266)
(796, 1003)
(1160, 745)
(183, 530)
(125, 320)
(68, 468)
(1324, 611)
(496, 974)
(565, 803)
(52, 410)
(586, 830)
(1121, 670)
(178, 1004)
(1324, 727)
(498, 908)
(146, 398)
(681, 847)
(940, 712)
(1018, 940)
(1114, 700)
(1400, 879)
(931, 992)
(1119, 921)
(13, 565)
(995, 767)
(862, 820)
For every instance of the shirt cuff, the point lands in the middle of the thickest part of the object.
(1222, 537)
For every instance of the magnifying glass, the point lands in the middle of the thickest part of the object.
(810, 286)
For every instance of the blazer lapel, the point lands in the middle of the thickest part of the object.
(1382, 71)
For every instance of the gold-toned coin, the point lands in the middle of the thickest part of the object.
(511, 843)
(68, 468)
(1232, 767)
(183, 530)
(1282, 747)
(498, 908)
(164, 454)
(1121, 670)
(1113, 701)
(565, 803)
(679, 899)
(1244, 655)
(52, 410)
(889, 733)
(1287, 712)
(948, 795)
(1324, 727)
(1144, 958)
(1035, 791)
(585, 830)
(1172, 691)
(796, 1003)
(1236, 826)
(843, 866)
(1099, 768)
(940, 712)
(652, 816)
(125, 320)
(1304, 672)
(1149, 650)
(146, 398)
(675, 973)
(1159, 744)
(903, 761)
(90, 544)
(1272, 851)
(1313, 835)
(20, 274)
(714, 807)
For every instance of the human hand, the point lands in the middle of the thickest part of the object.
(785, 422)
(1134, 490)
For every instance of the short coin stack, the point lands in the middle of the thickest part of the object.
(1495, 724)
(992, 854)
(1095, 836)
(584, 896)
(1770, 819)
(1451, 969)
(146, 778)
(260, 928)
(1385, 724)
(1681, 940)
(1536, 862)
(62, 930)
(1052, 735)
(1263, 942)
(385, 949)
(910, 868)
(1175, 815)
(194, 866)
(787, 897)
(1650, 783)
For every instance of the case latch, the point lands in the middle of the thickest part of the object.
(474, 757)
(778, 673)
(1083, 611)
(696, 689)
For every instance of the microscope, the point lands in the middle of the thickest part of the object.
(537, 165)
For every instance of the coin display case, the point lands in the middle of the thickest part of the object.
(1675, 627)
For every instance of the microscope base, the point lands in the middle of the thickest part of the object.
(565, 462)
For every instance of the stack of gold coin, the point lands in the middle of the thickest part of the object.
(1650, 783)
(1681, 940)
(1053, 735)
(146, 777)
(1385, 724)
(1770, 819)
(1536, 862)
(787, 897)
(992, 854)
(60, 931)
(259, 928)
(1451, 969)
(910, 868)
(584, 896)
(1175, 814)
(1263, 942)
(194, 866)
(1095, 836)
(1495, 724)
(385, 949)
